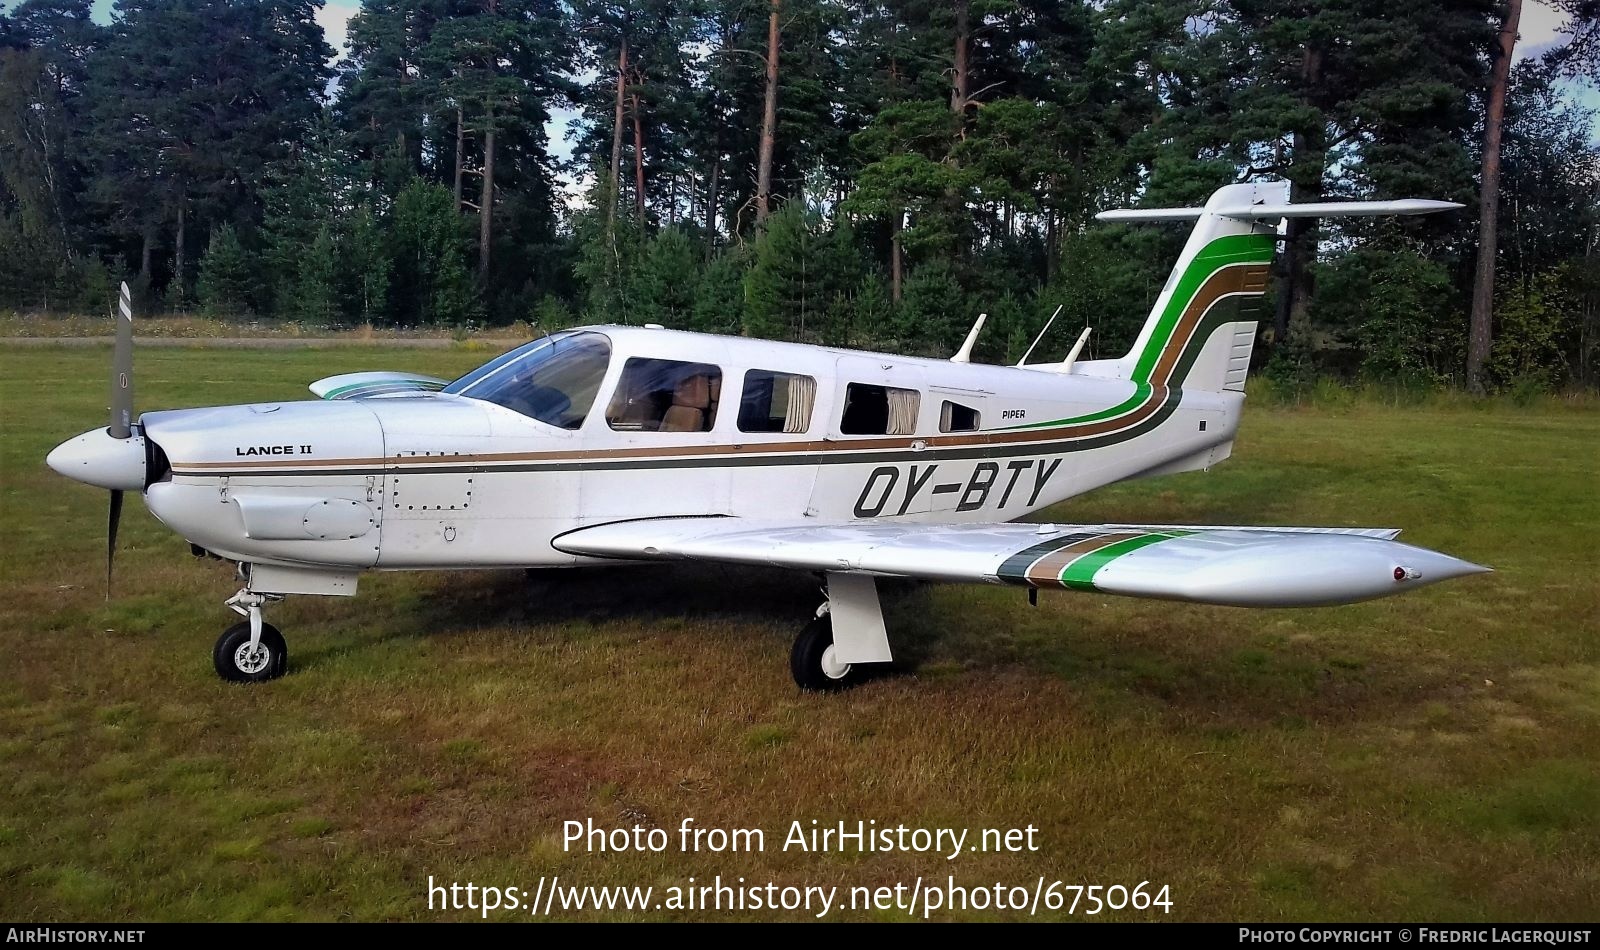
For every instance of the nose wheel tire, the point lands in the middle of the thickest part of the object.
(236, 662)
(814, 662)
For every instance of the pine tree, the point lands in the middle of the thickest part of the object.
(666, 282)
(193, 100)
(227, 274)
(301, 198)
(933, 317)
(498, 64)
(719, 299)
(315, 297)
(43, 122)
(781, 291)
(1293, 89)
(454, 300)
(432, 284)
(608, 249)
(366, 264)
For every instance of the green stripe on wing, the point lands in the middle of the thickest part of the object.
(1079, 575)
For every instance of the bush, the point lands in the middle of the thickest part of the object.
(1533, 320)
(1398, 308)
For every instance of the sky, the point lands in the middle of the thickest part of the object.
(1539, 32)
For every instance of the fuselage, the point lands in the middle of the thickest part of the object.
(613, 423)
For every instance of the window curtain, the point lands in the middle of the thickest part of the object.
(802, 396)
(903, 411)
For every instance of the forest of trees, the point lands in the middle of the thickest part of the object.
(871, 174)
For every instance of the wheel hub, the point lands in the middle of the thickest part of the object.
(252, 661)
(832, 667)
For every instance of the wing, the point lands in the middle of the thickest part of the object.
(362, 385)
(1238, 566)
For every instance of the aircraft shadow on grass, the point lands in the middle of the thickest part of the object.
(1248, 683)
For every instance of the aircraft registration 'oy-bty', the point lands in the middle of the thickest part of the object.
(609, 443)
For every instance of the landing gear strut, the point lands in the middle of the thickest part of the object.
(252, 651)
(847, 639)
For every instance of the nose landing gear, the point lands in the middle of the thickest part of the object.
(252, 651)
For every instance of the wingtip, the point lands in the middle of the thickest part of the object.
(1463, 568)
(1430, 205)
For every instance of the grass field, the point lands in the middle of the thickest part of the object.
(1434, 756)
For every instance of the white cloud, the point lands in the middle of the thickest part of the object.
(334, 18)
(1540, 25)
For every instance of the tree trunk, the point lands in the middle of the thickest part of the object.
(638, 160)
(146, 248)
(486, 200)
(769, 119)
(177, 254)
(460, 146)
(961, 83)
(897, 265)
(1482, 332)
(616, 138)
(1305, 184)
(711, 202)
(1052, 245)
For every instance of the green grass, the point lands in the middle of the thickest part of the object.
(1431, 756)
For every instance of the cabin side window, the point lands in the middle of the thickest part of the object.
(879, 410)
(665, 396)
(776, 402)
(954, 417)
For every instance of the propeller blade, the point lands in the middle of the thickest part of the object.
(113, 519)
(122, 370)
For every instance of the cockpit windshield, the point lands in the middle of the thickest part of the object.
(553, 380)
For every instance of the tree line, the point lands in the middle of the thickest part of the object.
(870, 174)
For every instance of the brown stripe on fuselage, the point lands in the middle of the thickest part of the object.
(1047, 570)
(1233, 278)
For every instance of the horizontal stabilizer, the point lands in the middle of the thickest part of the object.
(1272, 212)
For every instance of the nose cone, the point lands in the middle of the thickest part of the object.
(95, 458)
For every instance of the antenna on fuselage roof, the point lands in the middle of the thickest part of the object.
(538, 327)
(964, 355)
(1065, 366)
(1047, 325)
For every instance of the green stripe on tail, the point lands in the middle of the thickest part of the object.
(1232, 249)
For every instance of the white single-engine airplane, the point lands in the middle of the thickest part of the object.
(606, 444)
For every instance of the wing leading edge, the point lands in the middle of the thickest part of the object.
(1229, 565)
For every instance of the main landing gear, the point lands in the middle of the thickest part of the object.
(252, 651)
(839, 648)
(814, 661)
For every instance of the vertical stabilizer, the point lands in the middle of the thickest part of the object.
(1202, 329)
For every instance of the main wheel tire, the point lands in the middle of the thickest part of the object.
(237, 664)
(812, 661)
